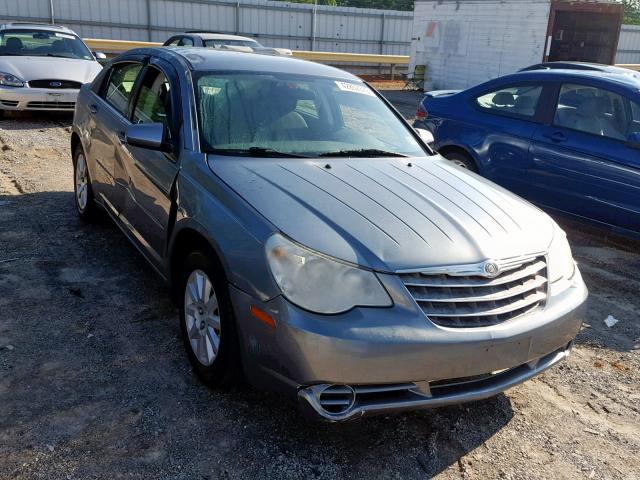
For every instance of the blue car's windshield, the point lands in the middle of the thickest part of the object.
(283, 115)
(42, 43)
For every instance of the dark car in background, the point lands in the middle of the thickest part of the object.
(567, 140)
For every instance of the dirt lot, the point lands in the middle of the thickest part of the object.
(94, 382)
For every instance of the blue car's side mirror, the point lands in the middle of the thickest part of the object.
(633, 141)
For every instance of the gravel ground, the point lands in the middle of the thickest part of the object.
(94, 382)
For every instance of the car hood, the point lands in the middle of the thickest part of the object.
(389, 214)
(38, 68)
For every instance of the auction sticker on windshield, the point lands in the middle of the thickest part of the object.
(354, 88)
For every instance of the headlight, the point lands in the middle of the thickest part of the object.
(561, 264)
(321, 284)
(8, 80)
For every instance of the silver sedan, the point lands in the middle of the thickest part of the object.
(314, 242)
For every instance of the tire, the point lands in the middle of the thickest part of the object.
(82, 191)
(207, 320)
(462, 160)
(1, 114)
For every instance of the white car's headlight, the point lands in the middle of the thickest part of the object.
(319, 283)
(9, 80)
(561, 264)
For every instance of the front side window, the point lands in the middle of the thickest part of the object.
(185, 42)
(592, 110)
(297, 116)
(42, 43)
(521, 100)
(154, 100)
(120, 85)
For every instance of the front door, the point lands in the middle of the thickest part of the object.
(584, 164)
(151, 173)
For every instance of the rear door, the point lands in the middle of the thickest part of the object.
(506, 117)
(584, 164)
(110, 112)
(150, 174)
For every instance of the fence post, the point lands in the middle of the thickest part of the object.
(237, 18)
(149, 20)
(383, 32)
(51, 11)
(313, 26)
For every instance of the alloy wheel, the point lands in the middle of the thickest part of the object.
(202, 317)
(82, 183)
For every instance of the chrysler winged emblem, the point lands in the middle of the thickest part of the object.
(491, 269)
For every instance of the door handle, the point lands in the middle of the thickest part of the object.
(556, 137)
(93, 108)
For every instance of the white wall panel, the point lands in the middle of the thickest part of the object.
(629, 45)
(466, 43)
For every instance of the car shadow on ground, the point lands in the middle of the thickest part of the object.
(20, 120)
(96, 364)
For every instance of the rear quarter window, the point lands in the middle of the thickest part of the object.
(519, 100)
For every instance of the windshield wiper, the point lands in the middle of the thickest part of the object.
(363, 152)
(256, 152)
(57, 56)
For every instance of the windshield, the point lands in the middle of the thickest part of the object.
(217, 43)
(41, 43)
(283, 115)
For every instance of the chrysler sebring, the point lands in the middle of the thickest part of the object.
(315, 244)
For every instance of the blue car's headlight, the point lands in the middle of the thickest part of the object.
(319, 283)
(9, 80)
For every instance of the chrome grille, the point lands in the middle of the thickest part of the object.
(463, 297)
(54, 105)
(53, 83)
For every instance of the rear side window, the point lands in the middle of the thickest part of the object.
(520, 100)
(120, 85)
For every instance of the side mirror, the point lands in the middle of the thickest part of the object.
(633, 141)
(425, 135)
(146, 135)
(99, 56)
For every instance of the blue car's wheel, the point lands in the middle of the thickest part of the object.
(462, 160)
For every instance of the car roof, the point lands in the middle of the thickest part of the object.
(218, 36)
(562, 65)
(621, 76)
(36, 26)
(204, 59)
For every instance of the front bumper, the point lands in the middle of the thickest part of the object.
(25, 98)
(315, 402)
(396, 356)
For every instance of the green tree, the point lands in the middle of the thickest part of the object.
(632, 12)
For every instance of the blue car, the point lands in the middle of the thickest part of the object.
(567, 140)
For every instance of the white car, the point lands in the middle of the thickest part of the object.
(222, 41)
(42, 67)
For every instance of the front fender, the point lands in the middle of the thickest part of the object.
(233, 229)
